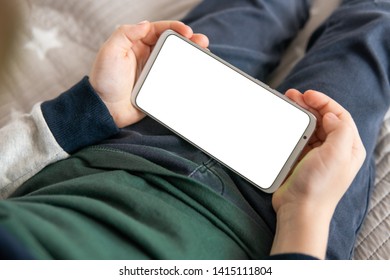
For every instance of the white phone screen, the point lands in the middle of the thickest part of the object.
(226, 114)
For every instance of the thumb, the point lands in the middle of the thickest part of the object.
(339, 133)
(126, 35)
(330, 122)
(138, 31)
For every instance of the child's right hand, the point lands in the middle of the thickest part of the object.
(121, 59)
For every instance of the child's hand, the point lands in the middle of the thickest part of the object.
(122, 57)
(306, 201)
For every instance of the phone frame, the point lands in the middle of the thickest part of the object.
(290, 162)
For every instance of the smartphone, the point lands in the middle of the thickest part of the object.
(239, 121)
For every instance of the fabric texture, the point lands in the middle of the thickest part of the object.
(26, 146)
(132, 208)
(84, 119)
(61, 38)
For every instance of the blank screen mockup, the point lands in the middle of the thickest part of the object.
(224, 113)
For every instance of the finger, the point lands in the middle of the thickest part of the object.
(157, 28)
(201, 40)
(323, 103)
(297, 97)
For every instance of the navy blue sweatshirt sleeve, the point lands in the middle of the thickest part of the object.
(78, 117)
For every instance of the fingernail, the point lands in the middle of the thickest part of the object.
(142, 22)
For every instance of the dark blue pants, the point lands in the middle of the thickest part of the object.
(347, 58)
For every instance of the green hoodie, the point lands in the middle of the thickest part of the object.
(107, 204)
